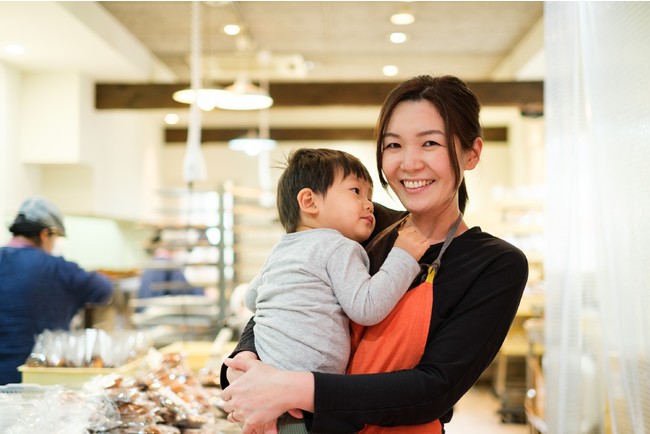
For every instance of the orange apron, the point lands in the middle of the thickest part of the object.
(399, 340)
(395, 343)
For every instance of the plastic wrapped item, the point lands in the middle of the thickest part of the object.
(90, 348)
(63, 411)
(72, 358)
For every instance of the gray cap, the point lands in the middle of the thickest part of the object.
(43, 212)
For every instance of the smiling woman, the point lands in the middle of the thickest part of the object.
(316, 278)
(448, 327)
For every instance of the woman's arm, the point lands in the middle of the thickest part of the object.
(264, 393)
(245, 348)
(476, 298)
(474, 305)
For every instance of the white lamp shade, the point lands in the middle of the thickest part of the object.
(244, 95)
(251, 145)
(206, 98)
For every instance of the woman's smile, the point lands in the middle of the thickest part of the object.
(416, 184)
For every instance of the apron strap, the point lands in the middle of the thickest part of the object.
(433, 268)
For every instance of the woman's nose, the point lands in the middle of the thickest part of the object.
(411, 160)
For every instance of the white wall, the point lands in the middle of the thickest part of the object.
(97, 167)
(109, 165)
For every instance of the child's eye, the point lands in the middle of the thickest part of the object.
(356, 190)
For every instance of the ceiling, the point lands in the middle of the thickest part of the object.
(333, 41)
(325, 55)
(149, 41)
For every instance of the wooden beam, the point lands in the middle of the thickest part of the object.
(524, 94)
(176, 136)
(179, 135)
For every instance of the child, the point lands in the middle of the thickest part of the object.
(316, 278)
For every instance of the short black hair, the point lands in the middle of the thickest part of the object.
(314, 168)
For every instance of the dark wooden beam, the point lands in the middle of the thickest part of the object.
(179, 135)
(523, 94)
(176, 136)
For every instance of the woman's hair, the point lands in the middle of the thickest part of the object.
(315, 169)
(27, 229)
(458, 107)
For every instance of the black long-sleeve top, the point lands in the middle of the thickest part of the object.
(477, 291)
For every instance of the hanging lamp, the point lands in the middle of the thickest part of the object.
(244, 95)
(256, 144)
(206, 97)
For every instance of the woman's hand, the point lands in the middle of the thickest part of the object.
(262, 393)
(233, 373)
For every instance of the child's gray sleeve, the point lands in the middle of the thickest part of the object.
(366, 299)
(250, 299)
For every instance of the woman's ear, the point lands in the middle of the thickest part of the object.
(473, 156)
(307, 201)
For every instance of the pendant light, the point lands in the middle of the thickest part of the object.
(251, 145)
(244, 95)
(206, 97)
(256, 144)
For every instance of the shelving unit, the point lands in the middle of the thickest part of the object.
(220, 239)
(255, 228)
(191, 227)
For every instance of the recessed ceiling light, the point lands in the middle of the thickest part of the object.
(231, 29)
(172, 118)
(398, 37)
(14, 49)
(403, 17)
(390, 70)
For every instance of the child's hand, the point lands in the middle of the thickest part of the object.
(411, 240)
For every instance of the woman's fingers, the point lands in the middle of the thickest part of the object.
(257, 398)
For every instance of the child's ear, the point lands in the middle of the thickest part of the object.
(307, 201)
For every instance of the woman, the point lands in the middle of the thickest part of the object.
(447, 329)
(39, 291)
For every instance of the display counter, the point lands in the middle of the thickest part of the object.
(159, 393)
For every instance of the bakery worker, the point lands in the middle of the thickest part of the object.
(38, 290)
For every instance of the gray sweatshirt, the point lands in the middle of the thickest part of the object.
(311, 285)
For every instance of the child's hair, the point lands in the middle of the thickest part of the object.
(315, 169)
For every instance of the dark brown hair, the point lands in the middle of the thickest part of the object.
(315, 169)
(458, 107)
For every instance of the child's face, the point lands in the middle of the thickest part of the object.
(347, 207)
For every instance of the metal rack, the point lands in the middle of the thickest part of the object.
(220, 238)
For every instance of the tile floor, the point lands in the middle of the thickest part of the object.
(477, 413)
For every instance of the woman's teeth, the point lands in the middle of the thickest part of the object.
(416, 184)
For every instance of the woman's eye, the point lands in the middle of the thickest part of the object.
(430, 143)
(391, 145)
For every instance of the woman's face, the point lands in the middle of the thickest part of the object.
(415, 159)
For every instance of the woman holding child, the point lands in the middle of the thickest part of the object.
(407, 372)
